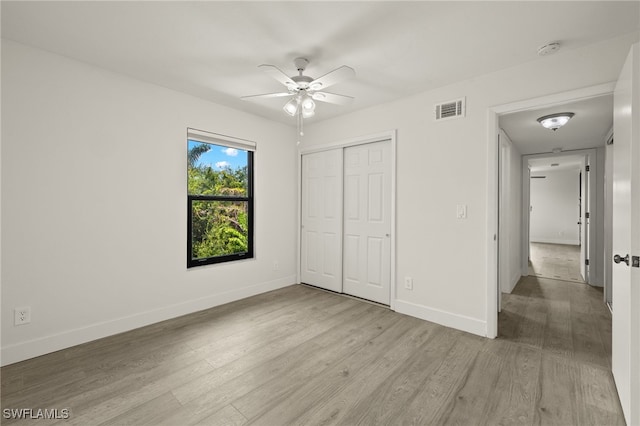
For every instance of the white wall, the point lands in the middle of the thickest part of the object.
(511, 216)
(441, 164)
(555, 208)
(94, 203)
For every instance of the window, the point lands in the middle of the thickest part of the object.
(219, 198)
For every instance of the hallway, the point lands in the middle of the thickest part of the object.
(567, 327)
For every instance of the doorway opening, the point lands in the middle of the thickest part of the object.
(560, 187)
(562, 216)
(507, 265)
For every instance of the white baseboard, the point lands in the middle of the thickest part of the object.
(555, 241)
(459, 322)
(44, 345)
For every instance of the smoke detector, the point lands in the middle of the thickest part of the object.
(548, 49)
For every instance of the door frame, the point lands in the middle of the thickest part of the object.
(390, 136)
(607, 273)
(590, 155)
(493, 114)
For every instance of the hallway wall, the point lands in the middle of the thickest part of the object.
(555, 207)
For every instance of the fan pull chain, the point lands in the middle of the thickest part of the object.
(300, 124)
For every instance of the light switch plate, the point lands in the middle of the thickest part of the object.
(461, 211)
(408, 283)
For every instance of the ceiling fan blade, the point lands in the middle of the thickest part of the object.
(331, 98)
(279, 75)
(332, 77)
(268, 95)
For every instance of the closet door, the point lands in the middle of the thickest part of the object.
(321, 233)
(367, 221)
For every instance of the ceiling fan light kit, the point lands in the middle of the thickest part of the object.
(304, 89)
(291, 107)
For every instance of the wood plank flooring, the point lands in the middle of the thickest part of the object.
(556, 261)
(304, 356)
(569, 325)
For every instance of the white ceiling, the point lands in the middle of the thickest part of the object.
(212, 49)
(587, 129)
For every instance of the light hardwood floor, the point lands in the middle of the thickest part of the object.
(304, 356)
(557, 261)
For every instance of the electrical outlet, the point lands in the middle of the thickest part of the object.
(276, 265)
(22, 315)
(408, 283)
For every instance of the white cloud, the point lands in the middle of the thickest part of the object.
(231, 152)
(222, 164)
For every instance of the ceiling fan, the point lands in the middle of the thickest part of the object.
(305, 90)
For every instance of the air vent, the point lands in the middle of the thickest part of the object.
(450, 109)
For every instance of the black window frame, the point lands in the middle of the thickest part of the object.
(191, 262)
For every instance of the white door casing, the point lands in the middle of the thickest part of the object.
(321, 221)
(608, 211)
(626, 236)
(583, 225)
(367, 221)
(503, 217)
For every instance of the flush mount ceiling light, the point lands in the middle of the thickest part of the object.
(548, 48)
(555, 121)
(305, 90)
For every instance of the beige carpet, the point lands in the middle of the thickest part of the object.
(557, 261)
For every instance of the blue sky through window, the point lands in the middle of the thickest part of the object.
(220, 157)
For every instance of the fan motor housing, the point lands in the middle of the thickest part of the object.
(302, 81)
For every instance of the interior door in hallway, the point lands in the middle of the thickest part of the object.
(321, 233)
(367, 221)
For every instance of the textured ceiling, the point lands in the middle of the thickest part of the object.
(212, 49)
